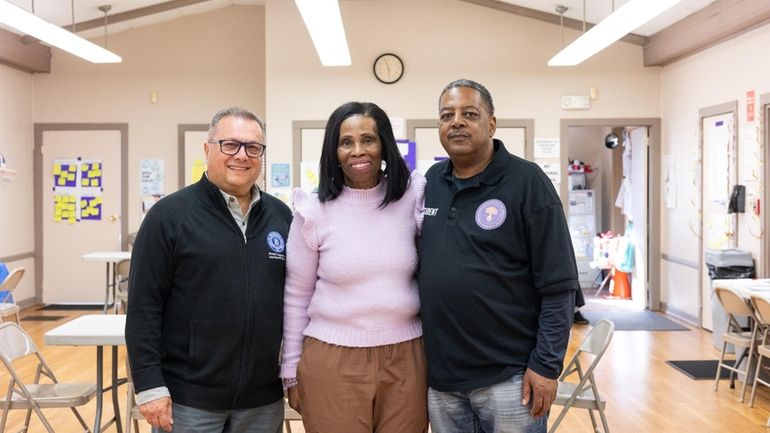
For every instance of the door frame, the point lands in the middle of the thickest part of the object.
(527, 124)
(730, 107)
(764, 115)
(653, 189)
(37, 172)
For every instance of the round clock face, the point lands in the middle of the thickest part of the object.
(388, 68)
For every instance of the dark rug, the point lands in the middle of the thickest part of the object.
(702, 369)
(626, 320)
(67, 307)
(43, 318)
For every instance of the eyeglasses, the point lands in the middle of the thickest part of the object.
(232, 147)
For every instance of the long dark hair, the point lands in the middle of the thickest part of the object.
(331, 178)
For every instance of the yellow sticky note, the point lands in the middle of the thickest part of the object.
(83, 203)
(94, 182)
(57, 218)
(71, 176)
(57, 211)
(97, 173)
(56, 169)
(71, 220)
(71, 168)
(96, 166)
(97, 200)
(84, 182)
(95, 211)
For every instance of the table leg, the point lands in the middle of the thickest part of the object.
(115, 384)
(604, 282)
(107, 288)
(99, 389)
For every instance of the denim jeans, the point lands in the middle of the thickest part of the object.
(262, 419)
(493, 409)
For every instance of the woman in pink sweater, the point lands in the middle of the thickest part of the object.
(353, 357)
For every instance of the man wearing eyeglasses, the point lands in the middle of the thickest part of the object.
(205, 313)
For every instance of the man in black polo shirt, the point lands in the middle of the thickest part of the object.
(497, 277)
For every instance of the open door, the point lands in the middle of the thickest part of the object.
(719, 175)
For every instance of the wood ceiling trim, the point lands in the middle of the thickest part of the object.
(716, 23)
(27, 57)
(133, 14)
(550, 18)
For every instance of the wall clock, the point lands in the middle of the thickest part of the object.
(388, 68)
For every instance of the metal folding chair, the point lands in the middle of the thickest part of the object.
(585, 394)
(16, 344)
(7, 304)
(735, 306)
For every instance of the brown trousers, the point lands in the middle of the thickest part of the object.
(379, 389)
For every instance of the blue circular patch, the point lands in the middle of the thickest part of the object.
(491, 214)
(275, 242)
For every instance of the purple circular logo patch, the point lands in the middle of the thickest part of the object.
(490, 214)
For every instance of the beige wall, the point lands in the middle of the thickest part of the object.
(720, 74)
(261, 57)
(439, 41)
(198, 64)
(16, 206)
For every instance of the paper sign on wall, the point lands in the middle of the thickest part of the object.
(77, 190)
(547, 148)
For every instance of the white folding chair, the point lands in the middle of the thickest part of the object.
(16, 344)
(289, 415)
(585, 394)
(762, 316)
(133, 415)
(7, 304)
(735, 306)
(122, 269)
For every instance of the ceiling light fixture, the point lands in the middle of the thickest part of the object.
(27, 23)
(618, 24)
(324, 23)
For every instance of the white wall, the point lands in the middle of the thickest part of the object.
(198, 64)
(720, 74)
(16, 144)
(440, 41)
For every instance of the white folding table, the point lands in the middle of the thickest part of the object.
(111, 258)
(96, 330)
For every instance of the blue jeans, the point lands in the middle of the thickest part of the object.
(262, 419)
(493, 409)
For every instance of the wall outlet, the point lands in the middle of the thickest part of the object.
(575, 102)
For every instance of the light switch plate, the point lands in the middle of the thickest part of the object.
(575, 102)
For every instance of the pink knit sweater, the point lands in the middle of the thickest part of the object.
(350, 270)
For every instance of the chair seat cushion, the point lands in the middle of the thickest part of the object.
(8, 308)
(585, 400)
(54, 395)
(742, 339)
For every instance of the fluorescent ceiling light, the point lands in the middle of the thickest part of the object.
(27, 23)
(324, 23)
(618, 24)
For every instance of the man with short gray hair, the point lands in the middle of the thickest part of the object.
(205, 309)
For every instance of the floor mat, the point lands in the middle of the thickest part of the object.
(67, 307)
(701, 369)
(43, 318)
(628, 320)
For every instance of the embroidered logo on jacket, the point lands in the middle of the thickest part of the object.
(276, 243)
(491, 214)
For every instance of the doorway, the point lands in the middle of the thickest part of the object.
(643, 136)
(97, 155)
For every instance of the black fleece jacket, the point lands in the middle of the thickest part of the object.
(205, 311)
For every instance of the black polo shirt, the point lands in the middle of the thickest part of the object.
(497, 274)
